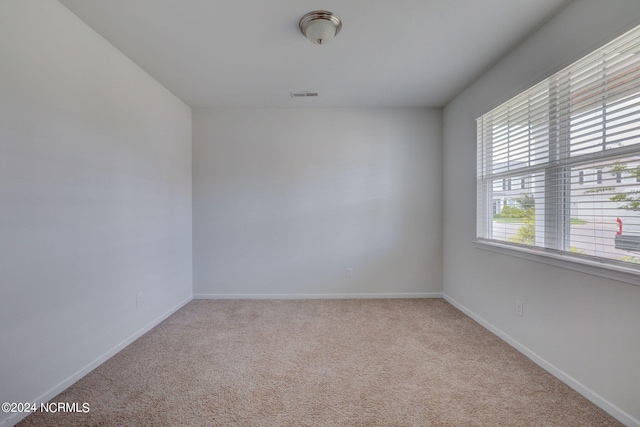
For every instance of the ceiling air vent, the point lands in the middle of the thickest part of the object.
(303, 94)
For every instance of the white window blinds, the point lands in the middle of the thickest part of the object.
(559, 165)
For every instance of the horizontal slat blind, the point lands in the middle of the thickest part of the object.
(559, 164)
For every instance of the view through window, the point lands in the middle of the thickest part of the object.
(559, 165)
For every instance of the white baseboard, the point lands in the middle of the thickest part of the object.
(66, 383)
(627, 419)
(318, 296)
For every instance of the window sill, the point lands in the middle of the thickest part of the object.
(587, 266)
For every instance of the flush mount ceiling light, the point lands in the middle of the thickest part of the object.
(320, 26)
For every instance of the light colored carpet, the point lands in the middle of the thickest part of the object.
(322, 363)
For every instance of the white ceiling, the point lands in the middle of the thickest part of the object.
(235, 53)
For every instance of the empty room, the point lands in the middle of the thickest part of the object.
(320, 213)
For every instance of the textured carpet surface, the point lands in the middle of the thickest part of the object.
(321, 363)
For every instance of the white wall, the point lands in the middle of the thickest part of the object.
(95, 200)
(284, 201)
(584, 329)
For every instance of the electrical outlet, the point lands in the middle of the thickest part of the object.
(519, 305)
(349, 273)
(138, 299)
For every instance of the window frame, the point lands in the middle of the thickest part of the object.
(556, 215)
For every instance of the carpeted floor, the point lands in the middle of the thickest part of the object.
(321, 363)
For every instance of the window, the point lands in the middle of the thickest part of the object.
(573, 143)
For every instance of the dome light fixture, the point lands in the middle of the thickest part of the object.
(320, 26)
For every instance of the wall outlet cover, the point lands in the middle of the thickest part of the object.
(519, 308)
